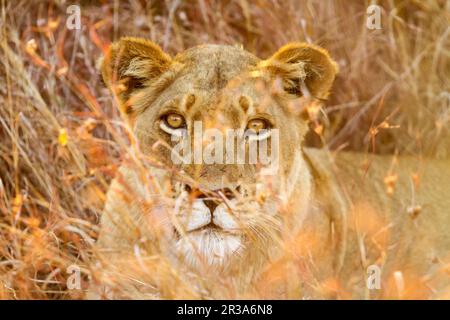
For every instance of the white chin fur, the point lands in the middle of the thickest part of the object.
(210, 247)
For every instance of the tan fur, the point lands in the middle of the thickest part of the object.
(327, 195)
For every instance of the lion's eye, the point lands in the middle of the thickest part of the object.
(257, 125)
(175, 121)
(258, 129)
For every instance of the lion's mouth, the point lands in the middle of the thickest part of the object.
(209, 245)
(208, 228)
(213, 228)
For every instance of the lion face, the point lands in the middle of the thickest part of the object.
(231, 126)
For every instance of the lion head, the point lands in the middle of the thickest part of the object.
(200, 113)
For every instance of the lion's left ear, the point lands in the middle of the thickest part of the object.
(299, 64)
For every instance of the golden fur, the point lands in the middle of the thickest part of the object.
(353, 210)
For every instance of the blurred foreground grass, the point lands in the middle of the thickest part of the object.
(62, 139)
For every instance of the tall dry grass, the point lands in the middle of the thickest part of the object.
(62, 139)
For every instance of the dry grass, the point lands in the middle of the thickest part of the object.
(61, 138)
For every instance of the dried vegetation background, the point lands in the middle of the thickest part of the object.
(61, 136)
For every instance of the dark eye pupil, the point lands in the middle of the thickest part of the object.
(257, 125)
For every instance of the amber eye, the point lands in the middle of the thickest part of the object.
(257, 125)
(174, 120)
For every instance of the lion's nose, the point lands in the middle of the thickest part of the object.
(211, 204)
(211, 201)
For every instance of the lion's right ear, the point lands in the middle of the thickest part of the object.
(131, 64)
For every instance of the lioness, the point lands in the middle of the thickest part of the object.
(320, 225)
